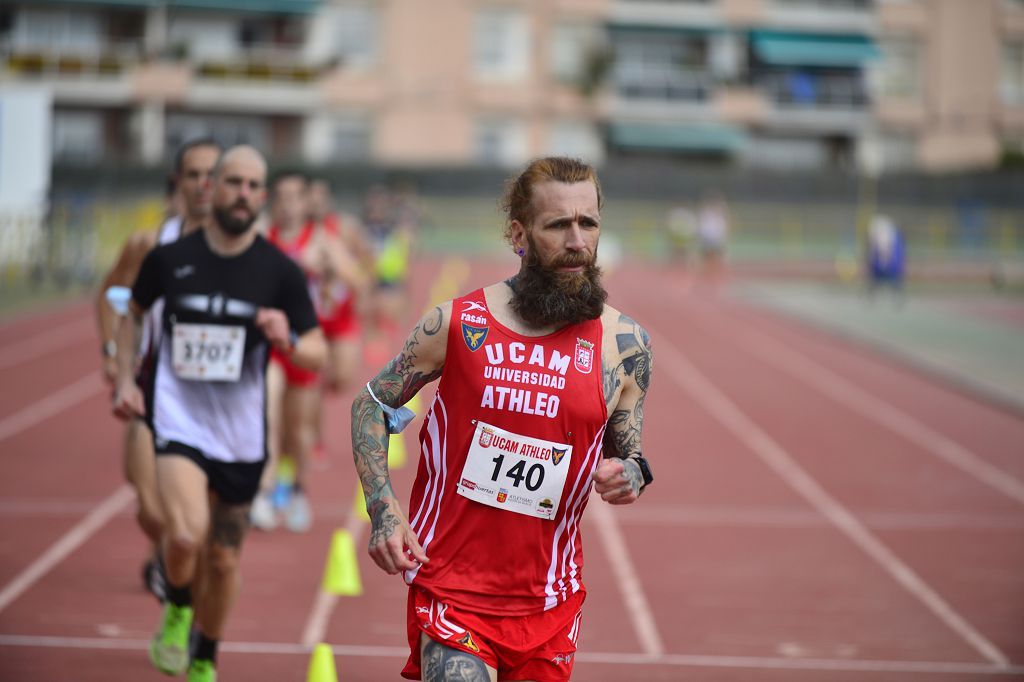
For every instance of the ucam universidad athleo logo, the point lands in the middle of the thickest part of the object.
(473, 336)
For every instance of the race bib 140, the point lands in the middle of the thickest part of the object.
(514, 472)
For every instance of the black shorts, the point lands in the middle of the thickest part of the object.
(234, 482)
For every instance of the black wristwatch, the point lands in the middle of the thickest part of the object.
(109, 348)
(645, 471)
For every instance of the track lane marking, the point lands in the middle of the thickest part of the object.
(603, 658)
(845, 392)
(626, 577)
(45, 342)
(776, 458)
(114, 504)
(53, 404)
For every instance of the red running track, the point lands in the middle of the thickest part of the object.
(820, 513)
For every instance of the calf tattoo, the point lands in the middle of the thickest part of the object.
(229, 523)
(443, 664)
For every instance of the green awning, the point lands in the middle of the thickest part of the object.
(802, 49)
(247, 6)
(694, 138)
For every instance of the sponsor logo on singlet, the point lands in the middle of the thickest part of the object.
(557, 454)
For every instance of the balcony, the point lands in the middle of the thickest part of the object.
(247, 6)
(819, 102)
(688, 14)
(828, 16)
(75, 75)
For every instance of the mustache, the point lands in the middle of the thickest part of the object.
(573, 259)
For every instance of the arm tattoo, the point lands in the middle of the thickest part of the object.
(228, 525)
(395, 385)
(622, 437)
(444, 664)
(398, 382)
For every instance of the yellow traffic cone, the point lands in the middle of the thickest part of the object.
(396, 451)
(341, 575)
(359, 503)
(321, 665)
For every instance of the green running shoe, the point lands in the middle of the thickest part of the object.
(169, 649)
(202, 670)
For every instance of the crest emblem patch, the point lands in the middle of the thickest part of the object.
(473, 336)
(583, 358)
(557, 454)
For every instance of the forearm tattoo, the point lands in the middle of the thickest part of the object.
(632, 473)
(444, 664)
(622, 437)
(394, 386)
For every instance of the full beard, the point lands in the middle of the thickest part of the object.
(229, 223)
(544, 297)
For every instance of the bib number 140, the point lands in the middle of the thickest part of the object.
(533, 476)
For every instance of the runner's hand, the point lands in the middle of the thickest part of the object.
(274, 325)
(128, 401)
(393, 544)
(613, 482)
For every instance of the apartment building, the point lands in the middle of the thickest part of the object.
(875, 84)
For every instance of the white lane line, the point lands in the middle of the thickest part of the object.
(602, 658)
(115, 503)
(323, 605)
(626, 576)
(776, 517)
(56, 402)
(690, 379)
(875, 408)
(49, 341)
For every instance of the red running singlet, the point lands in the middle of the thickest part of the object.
(508, 447)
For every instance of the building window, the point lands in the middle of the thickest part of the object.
(1011, 77)
(501, 48)
(578, 139)
(500, 142)
(78, 136)
(657, 65)
(357, 36)
(66, 31)
(573, 45)
(898, 74)
(828, 5)
(204, 38)
(352, 139)
(228, 130)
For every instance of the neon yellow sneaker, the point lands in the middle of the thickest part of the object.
(169, 649)
(202, 670)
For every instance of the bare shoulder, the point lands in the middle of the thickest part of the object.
(626, 355)
(429, 339)
(617, 327)
(139, 244)
(129, 261)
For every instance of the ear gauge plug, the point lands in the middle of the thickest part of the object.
(521, 251)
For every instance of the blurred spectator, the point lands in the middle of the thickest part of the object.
(713, 235)
(886, 256)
